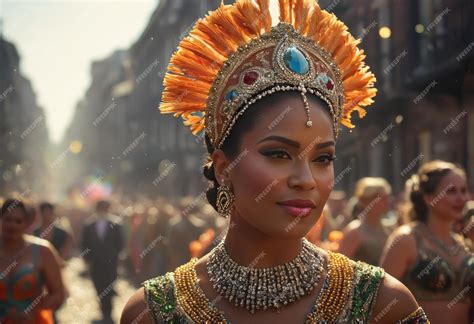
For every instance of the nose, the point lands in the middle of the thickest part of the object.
(302, 177)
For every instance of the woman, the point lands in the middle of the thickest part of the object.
(365, 237)
(270, 101)
(426, 255)
(30, 282)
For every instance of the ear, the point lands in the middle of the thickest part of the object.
(428, 199)
(221, 164)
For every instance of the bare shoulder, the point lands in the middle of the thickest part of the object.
(136, 310)
(46, 249)
(394, 301)
(352, 226)
(352, 230)
(403, 238)
(34, 240)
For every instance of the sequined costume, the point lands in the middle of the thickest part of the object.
(170, 300)
(433, 278)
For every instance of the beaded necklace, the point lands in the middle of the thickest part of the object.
(329, 305)
(262, 288)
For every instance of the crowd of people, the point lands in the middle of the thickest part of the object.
(423, 237)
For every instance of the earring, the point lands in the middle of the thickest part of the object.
(225, 201)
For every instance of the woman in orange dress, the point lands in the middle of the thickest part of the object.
(30, 279)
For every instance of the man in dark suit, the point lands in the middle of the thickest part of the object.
(102, 240)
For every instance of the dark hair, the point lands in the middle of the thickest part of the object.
(102, 205)
(11, 204)
(231, 146)
(426, 182)
(45, 206)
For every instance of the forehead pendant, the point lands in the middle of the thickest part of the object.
(297, 62)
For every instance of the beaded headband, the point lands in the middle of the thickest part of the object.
(234, 57)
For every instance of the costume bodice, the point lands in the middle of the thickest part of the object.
(177, 298)
(433, 278)
(20, 288)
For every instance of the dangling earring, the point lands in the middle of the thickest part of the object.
(225, 200)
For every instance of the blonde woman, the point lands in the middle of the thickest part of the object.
(365, 237)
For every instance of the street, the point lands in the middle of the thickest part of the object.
(82, 305)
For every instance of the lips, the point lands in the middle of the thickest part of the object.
(298, 207)
(297, 211)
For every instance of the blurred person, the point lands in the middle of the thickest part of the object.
(103, 239)
(426, 255)
(465, 227)
(183, 228)
(51, 230)
(136, 242)
(364, 238)
(337, 217)
(314, 234)
(31, 285)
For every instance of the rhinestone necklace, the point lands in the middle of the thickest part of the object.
(263, 288)
(452, 249)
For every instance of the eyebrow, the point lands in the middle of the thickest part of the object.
(293, 143)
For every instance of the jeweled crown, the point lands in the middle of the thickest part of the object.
(234, 57)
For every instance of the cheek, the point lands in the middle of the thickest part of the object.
(255, 179)
(325, 180)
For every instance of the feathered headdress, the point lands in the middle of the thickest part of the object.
(234, 57)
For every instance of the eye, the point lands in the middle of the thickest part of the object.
(276, 153)
(325, 158)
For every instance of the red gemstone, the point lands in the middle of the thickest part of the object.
(250, 77)
(329, 85)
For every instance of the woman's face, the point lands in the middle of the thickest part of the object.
(281, 160)
(14, 223)
(450, 197)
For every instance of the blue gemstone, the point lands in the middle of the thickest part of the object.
(231, 95)
(295, 60)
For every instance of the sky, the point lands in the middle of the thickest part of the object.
(58, 40)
